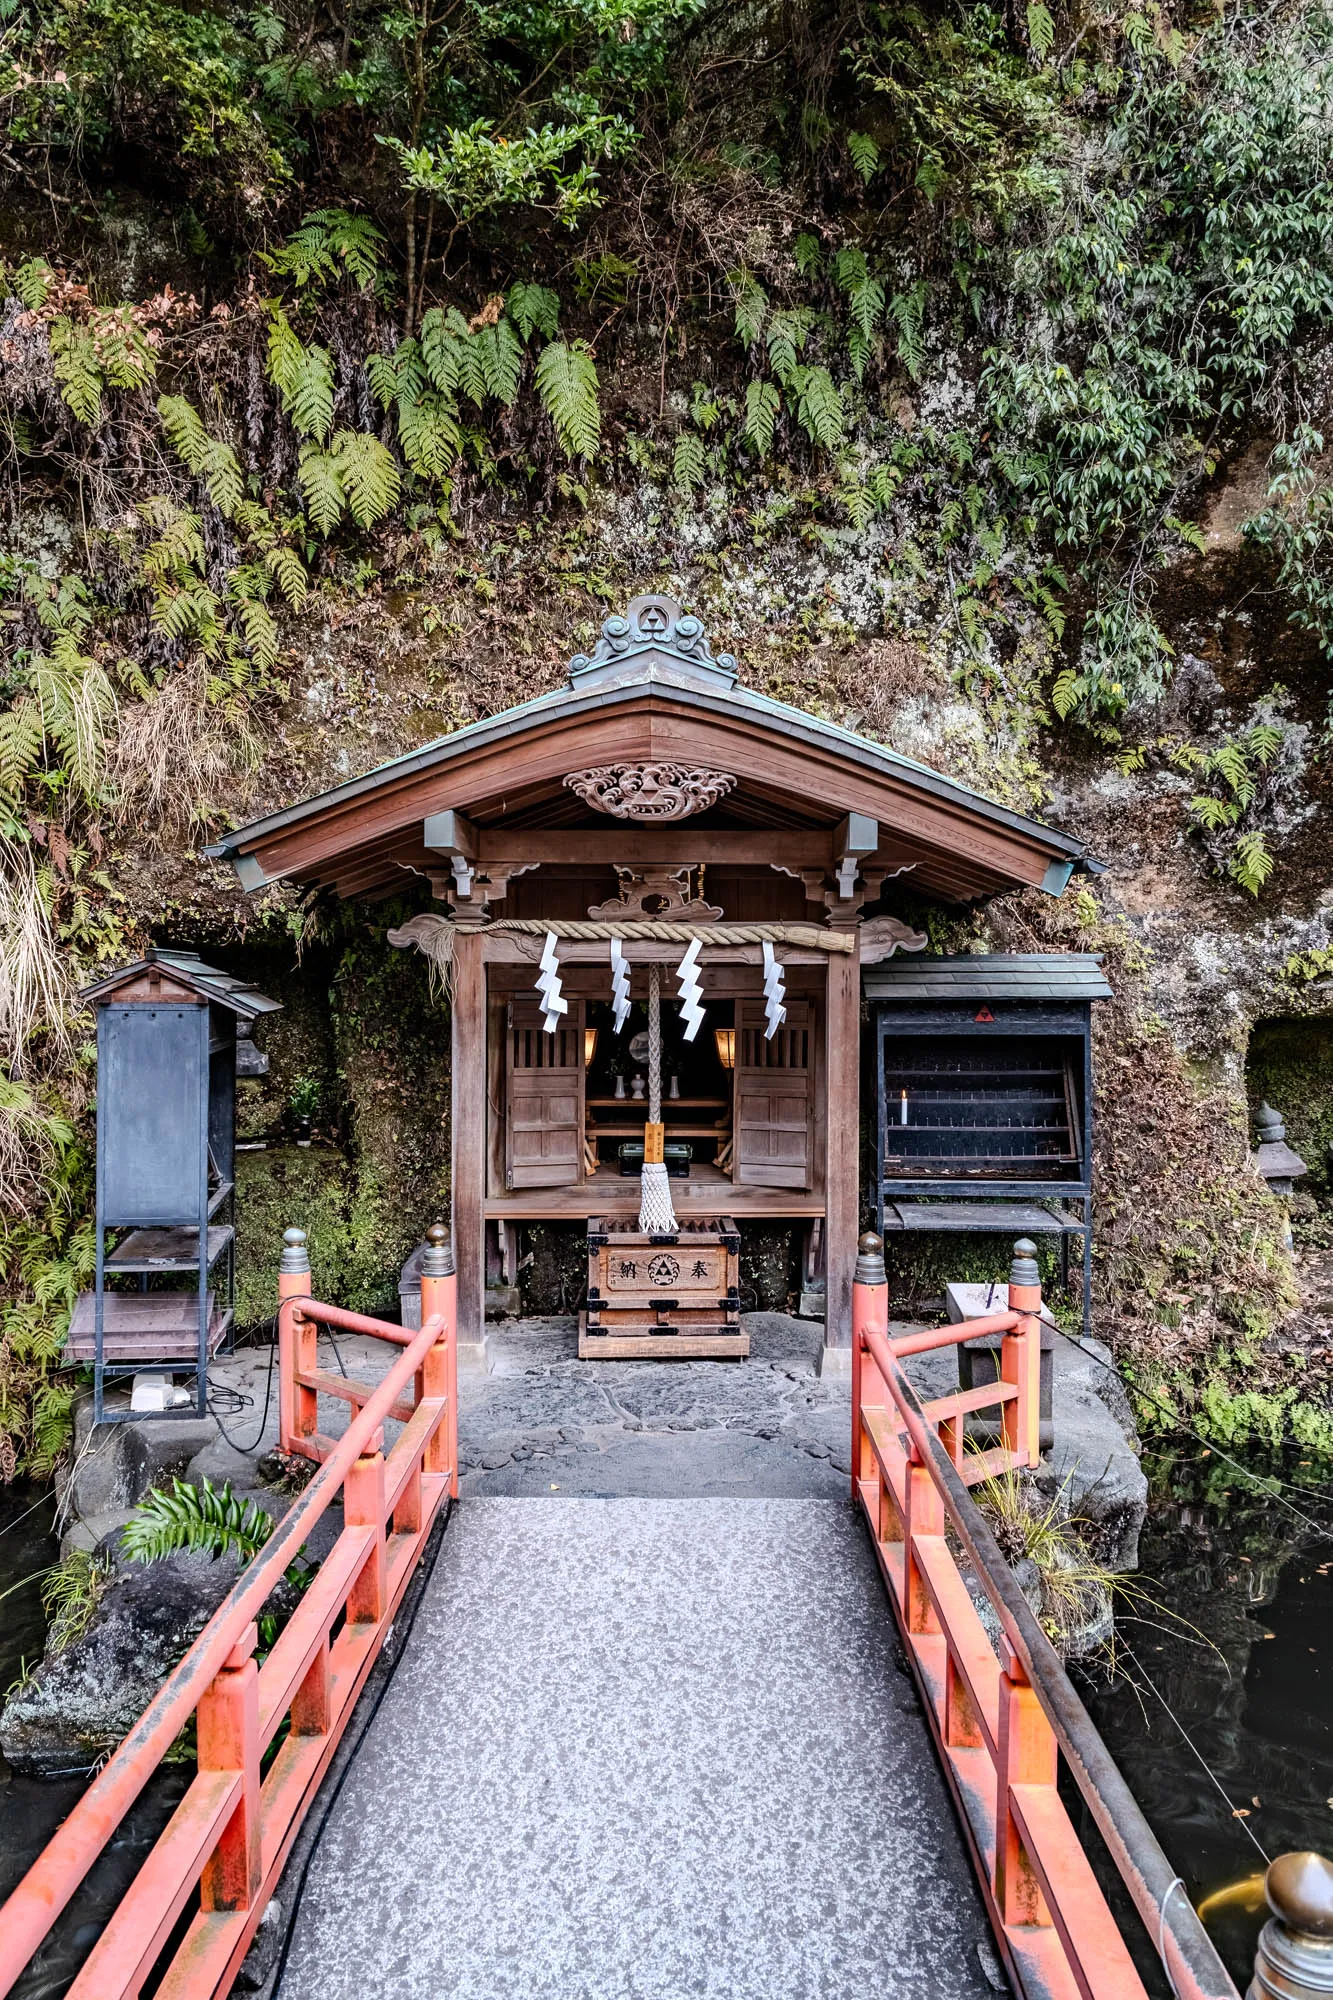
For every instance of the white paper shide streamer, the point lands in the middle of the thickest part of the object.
(691, 990)
(619, 984)
(548, 986)
(775, 992)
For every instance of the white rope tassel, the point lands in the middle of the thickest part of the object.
(619, 984)
(691, 989)
(656, 1215)
(775, 992)
(548, 985)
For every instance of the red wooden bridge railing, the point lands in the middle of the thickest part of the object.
(232, 1832)
(1002, 1718)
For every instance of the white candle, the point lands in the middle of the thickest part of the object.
(902, 1117)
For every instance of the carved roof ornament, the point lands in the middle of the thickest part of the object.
(665, 893)
(649, 791)
(654, 626)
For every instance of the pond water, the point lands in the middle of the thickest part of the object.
(1246, 1667)
(32, 1808)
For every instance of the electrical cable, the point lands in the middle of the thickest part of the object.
(1269, 1481)
(28, 1510)
(1205, 1766)
(1265, 1480)
(246, 1401)
(275, 1984)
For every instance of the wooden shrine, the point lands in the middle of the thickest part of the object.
(650, 806)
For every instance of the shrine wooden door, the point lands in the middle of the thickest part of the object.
(543, 1098)
(774, 1097)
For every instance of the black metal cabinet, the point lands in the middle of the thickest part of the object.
(984, 1096)
(166, 1059)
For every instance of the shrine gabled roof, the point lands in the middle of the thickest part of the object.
(186, 969)
(652, 687)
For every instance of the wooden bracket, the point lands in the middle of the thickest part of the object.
(452, 834)
(858, 835)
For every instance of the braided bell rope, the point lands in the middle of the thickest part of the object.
(657, 1215)
(809, 935)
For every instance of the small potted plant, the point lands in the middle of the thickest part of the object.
(304, 1105)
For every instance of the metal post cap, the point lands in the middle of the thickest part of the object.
(295, 1258)
(870, 1260)
(1023, 1270)
(438, 1260)
(1295, 1956)
(1299, 1888)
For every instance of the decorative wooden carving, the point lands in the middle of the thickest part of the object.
(649, 791)
(882, 936)
(656, 892)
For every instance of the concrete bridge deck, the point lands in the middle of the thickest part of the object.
(639, 1749)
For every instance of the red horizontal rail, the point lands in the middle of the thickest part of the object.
(231, 1834)
(1002, 1718)
(953, 1335)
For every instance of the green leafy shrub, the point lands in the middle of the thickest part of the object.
(195, 1517)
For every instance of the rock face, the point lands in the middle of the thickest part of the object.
(1094, 1460)
(112, 1466)
(81, 1703)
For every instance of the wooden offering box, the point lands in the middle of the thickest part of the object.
(670, 1297)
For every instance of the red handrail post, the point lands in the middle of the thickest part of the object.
(870, 1314)
(364, 1507)
(1020, 1358)
(1026, 1754)
(298, 1408)
(228, 1735)
(439, 1375)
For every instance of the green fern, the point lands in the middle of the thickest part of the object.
(71, 1593)
(788, 331)
(302, 376)
(567, 385)
(108, 352)
(865, 155)
(320, 480)
(1068, 691)
(819, 407)
(1251, 864)
(750, 301)
(368, 475)
(290, 573)
(762, 404)
(1041, 29)
(865, 300)
(328, 238)
(808, 255)
(533, 308)
(909, 312)
(194, 1517)
(689, 463)
(208, 458)
(31, 282)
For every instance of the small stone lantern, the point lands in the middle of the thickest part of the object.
(1274, 1158)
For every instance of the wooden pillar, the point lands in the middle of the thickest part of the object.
(469, 1134)
(842, 1152)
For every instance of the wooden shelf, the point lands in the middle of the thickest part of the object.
(668, 1103)
(635, 1131)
